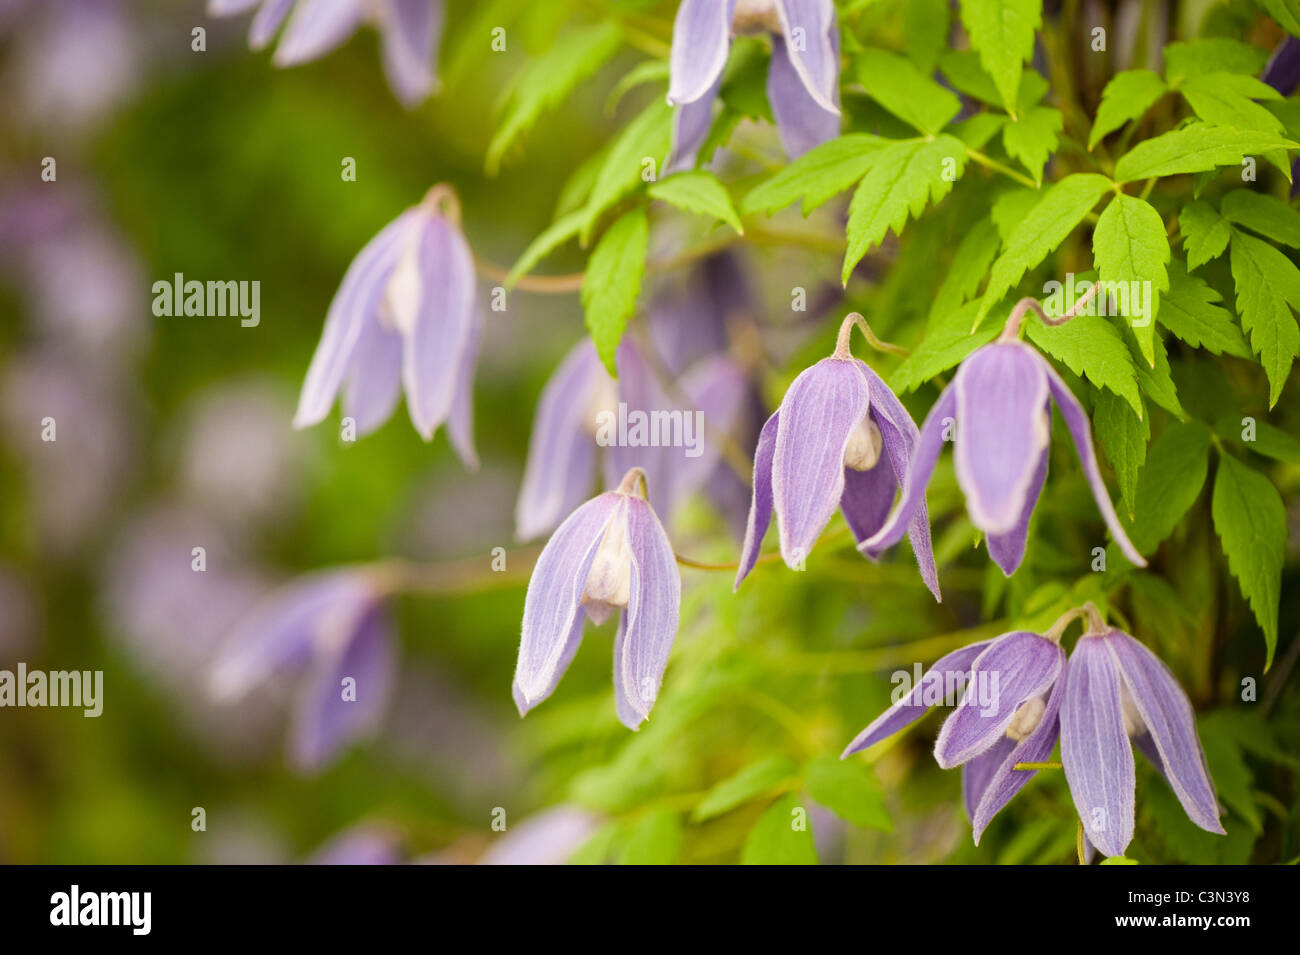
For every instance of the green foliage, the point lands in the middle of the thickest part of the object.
(613, 282)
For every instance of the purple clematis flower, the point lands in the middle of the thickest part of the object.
(1019, 693)
(577, 414)
(802, 81)
(611, 554)
(410, 30)
(841, 439)
(405, 317)
(331, 626)
(1116, 690)
(999, 399)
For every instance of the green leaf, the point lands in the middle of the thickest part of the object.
(782, 836)
(1130, 247)
(754, 780)
(1191, 310)
(1003, 33)
(647, 71)
(547, 81)
(1042, 229)
(555, 235)
(1126, 97)
(655, 839)
(645, 141)
(597, 849)
(1157, 381)
(1233, 783)
(970, 263)
(948, 340)
(1197, 147)
(1212, 55)
(963, 70)
(897, 85)
(1011, 208)
(1205, 232)
(817, 175)
(1168, 483)
(1124, 437)
(1268, 288)
(1260, 437)
(1267, 215)
(1091, 346)
(1285, 12)
(698, 192)
(613, 282)
(925, 31)
(903, 179)
(848, 789)
(1032, 138)
(976, 131)
(1250, 519)
(1228, 99)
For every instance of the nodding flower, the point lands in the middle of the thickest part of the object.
(405, 318)
(609, 556)
(840, 439)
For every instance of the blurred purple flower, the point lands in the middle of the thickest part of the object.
(1000, 400)
(839, 440)
(802, 81)
(361, 845)
(550, 837)
(410, 31)
(332, 627)
(610, 555)
(405, 317)
(567, 427)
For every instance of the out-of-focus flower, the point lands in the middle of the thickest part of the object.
(331, 627)
(73, 62)
(69, 428)
(582, 407)
(365, 844)
(1000, 400)
(550, 837)
(405, 317)
(840, 439)
(239, 458)
(1117, 691)
(1283, 69)
(802, 81)
(409, 29)
(18, 616)
(610, 555)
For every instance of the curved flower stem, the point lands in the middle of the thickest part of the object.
(767, 558)
(1027, 767)
(1011, 330)
(842, 349)
(544, 284)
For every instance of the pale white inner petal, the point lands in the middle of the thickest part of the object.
(602, 398)
(756, 16)
(1027, 717)
(863, 450)
(609, 583)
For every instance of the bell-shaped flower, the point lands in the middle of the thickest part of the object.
(609, 556)
(410, 30)
(802, 80)
(840, 439)
(583, 413)
(998, 406)
(332, 630)
(404, 318)
(1116, 692)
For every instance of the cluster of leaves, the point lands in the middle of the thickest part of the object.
(993, 182)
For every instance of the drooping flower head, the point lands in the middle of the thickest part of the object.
(802, 81)
(578, 419)
(609, 556)
(409, 29)
(840, 439)
(1019, 694)
(999, 405)
(332, 629)
(405, 318)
